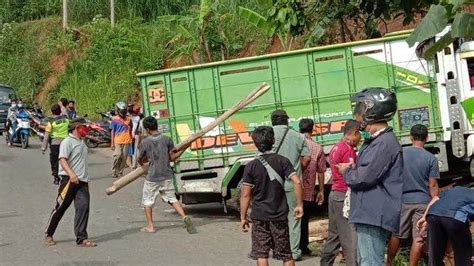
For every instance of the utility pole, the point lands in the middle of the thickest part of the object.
(112, 13)
(65, 15)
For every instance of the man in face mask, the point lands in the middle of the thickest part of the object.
(73, 186)
(376, 180)
(11, 116)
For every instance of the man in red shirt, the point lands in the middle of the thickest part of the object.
(340, 232)
(315, 168)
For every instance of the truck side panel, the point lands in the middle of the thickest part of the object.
(315, 84)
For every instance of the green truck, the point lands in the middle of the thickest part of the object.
(311, 83)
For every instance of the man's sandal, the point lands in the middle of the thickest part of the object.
(87, 244)
(49, 241)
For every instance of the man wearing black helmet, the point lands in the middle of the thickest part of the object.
(376, 180)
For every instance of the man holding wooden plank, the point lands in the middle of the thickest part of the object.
(159, 150)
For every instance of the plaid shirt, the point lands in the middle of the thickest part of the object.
(315, 166)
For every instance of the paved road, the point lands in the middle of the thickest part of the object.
(27, 196)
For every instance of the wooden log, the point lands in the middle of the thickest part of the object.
(127, 179)
(142, 170)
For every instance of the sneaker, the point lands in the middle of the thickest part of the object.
(189, 225)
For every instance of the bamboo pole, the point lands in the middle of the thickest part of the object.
(135, 174)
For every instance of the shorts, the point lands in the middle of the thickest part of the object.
(410, 214)
(164, 189)
(271, 235)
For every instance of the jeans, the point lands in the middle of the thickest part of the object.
(371, 242)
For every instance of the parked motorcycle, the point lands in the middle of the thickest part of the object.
(38, 121)
(21, 132)
(99, 133)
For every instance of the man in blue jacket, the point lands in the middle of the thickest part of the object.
(376, 181)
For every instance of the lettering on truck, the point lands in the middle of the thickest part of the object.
(244, 138)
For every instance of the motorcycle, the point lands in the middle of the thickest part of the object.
(38, 121)
(22, 131)
(99, 133)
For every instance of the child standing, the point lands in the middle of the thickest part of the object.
(158, 150)
(263, 181)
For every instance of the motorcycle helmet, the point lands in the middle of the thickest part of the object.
(121, 109)
(374, 105)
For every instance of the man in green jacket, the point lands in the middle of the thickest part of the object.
(56, 131)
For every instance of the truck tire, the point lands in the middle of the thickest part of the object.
(471, 168)
(238, 197)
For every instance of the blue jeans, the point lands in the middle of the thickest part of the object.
(371, 242)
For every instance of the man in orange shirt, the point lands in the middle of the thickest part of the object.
(121, 136)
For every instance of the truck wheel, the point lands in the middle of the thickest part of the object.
(238, 197)
(471, 167)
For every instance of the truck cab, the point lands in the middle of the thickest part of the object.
(6, 94)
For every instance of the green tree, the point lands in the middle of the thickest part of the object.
(285, 18)
(448, 12)
(367, 15)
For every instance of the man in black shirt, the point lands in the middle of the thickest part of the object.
(263, 181)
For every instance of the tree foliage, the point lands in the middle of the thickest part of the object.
(438, 18)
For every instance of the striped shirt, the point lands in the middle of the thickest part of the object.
(317, 165)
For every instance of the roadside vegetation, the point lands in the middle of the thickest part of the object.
(95, 64)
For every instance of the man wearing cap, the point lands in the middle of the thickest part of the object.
(73, 186)
(292, 145)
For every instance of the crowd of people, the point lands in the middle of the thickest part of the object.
(380, 194)
(65, 136)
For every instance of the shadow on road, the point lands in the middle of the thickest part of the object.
(87, 263)
(8, 214)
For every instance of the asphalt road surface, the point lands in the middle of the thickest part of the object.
(27, 197)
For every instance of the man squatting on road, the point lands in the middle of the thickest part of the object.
(263, 182)
(74, 185)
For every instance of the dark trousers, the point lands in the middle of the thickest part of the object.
(304, 240)
(340, 233)
(442, 229)
(54, 160)
(67, 193)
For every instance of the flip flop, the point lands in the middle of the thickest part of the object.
(87, 244)
(49, 242)
(145, 230)
(189, 225)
